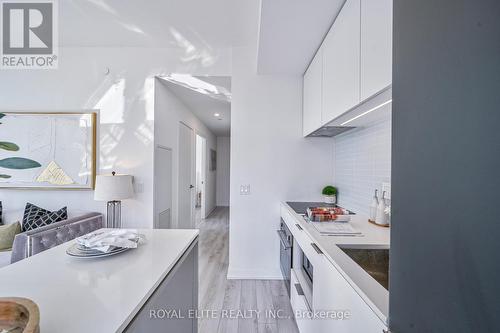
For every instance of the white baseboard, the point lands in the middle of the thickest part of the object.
(244, 274)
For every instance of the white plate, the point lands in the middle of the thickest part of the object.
(75, 251)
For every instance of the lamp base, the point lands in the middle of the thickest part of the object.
(114, 218)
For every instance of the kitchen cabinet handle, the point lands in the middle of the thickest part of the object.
(300, 292)
(316, 248)
(298, 226)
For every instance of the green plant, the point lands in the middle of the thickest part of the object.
(16, 163)
(329, 190)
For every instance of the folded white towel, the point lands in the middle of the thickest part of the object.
(105, 240)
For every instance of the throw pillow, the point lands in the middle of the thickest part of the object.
(1, 222)
(35, 217)
(7, 234)
(31, 213)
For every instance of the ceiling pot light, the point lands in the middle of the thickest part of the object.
(216, 114)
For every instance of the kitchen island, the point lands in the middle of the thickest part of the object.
(339, 281)
(120, 293)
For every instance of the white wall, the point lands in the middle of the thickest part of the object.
(269, 153)
(126, 99)
(362, 163)
(223, 170)
(169, 112)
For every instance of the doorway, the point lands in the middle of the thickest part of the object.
(186, 171)
(201, 172)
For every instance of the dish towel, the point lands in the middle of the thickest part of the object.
(106, 240)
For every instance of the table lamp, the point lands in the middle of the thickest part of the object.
(113, 188)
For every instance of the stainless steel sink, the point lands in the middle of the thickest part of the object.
(375, 261)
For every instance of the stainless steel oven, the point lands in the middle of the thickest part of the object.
(286, 250)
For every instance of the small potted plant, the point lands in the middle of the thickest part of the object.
(330, 194)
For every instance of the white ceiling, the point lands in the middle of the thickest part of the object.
(156, 23)
(291, 32)
(204, 106)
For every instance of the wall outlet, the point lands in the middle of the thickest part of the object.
(244, 189)
(387, 188)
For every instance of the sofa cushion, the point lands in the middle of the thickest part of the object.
(35, 217)
(7, 234)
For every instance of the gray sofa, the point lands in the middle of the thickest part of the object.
(35, 241)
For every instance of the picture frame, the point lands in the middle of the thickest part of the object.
(48, 150)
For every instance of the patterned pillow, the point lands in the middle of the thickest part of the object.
(1, 223)
(32, 212)
(36, 217)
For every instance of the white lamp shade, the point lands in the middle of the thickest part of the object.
(113, 187)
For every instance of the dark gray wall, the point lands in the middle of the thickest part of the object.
(445, 252)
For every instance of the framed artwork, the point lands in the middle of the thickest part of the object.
(48, 150)
(213, 160)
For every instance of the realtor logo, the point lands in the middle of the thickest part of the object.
(28, 34)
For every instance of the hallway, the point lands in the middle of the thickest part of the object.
(258, 300)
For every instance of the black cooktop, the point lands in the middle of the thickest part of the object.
(301, 207)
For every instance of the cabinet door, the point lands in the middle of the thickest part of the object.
(300, 308)
(312, 95)
(341, 54)
(376, 46)
(178, 292)
(333, 293)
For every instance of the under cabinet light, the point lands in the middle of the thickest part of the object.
(366, 112)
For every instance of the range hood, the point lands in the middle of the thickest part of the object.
(329, 131)
(373, 109)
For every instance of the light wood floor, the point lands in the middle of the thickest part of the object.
(222, 298)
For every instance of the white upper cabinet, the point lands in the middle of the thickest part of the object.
(376, 46)
(353, 64)
(312, 94)
(341, 63)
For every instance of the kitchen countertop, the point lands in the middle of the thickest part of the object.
(374, 237)
(95, 295)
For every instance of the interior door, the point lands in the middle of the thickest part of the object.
(186, 177)
(163, 187)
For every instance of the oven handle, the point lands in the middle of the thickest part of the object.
(283, 239)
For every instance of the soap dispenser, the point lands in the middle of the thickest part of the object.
(373, 207)
(381, 217)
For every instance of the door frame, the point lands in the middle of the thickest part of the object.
(203, 211)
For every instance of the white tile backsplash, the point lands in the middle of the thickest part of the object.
(362, 163)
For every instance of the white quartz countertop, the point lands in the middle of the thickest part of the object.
(99, 295)
(374, 237)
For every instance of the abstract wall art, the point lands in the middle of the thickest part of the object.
(47, 150)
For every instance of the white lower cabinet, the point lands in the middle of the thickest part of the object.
(335, 306)
(345, 309)
(300, 307)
